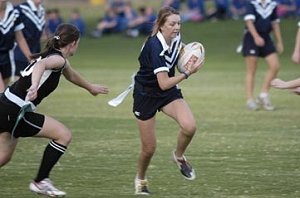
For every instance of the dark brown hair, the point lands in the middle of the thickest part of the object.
(163, 13)
(65, 34)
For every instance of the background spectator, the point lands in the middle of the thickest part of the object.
(286, 8)
(53, 20)
(143, 23)
(237, 8)
(77, 21)
(195, 11)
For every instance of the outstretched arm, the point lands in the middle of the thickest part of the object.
(292, 85)
(280, 84)
(74, 77)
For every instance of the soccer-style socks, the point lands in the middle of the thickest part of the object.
(51, 156)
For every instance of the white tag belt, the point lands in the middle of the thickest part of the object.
(17, 100)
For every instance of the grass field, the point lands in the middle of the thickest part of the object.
(236, 153)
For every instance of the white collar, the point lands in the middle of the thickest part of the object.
(163, 42)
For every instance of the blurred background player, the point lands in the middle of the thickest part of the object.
(32, 15)
(10, 32)
(261, 19)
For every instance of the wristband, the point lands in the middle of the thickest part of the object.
(185, 75)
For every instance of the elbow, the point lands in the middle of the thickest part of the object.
(164, 87)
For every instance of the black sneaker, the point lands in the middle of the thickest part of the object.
(185, 168)
(141, 187)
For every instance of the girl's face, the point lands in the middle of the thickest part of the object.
(171, 27)
(73, 47)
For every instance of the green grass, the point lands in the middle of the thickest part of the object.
(236, 153)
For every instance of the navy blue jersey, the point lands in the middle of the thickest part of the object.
(8, 26)
(33, 19)
(48, 83)
(156, 56)
(263, 15)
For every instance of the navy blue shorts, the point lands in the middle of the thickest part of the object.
(29, 126)
(147, 102)
(20, 66)
(5, 66)
(251, 49)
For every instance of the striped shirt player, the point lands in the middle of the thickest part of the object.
(156, 56)
(156, 89)
(263, 15)
(14, 98)
(10, 32)
(32, 15)
(261, 19)
(37, 81)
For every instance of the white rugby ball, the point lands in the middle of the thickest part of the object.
(186, 52)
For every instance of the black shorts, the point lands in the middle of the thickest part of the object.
(29, 126)
(251, 49)
(147, 102)
(20, 66)
(5, 66)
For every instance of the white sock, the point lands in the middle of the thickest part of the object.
(263, 94)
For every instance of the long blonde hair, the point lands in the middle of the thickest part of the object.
(163, 13)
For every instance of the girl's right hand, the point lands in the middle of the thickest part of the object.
(259, 41)
(278, 83)
(31, 93)
(194, 64)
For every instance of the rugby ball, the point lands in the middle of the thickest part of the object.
(186, 52)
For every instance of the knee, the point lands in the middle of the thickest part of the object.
(65, 138)
(275, 67)
(4, 159)
(189, 128)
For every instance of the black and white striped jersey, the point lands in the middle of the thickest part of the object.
(263, 15)
(9, 24)
(33, 19)
(156, 56)
(48, 82)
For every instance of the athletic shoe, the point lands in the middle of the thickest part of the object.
(185, 168)
(265, 103)
(251, 105)
(141, 187)
(46, 187)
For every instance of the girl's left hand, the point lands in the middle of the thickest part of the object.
(96, 89)
(279, 48)
(31, 93)
(194, 64)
